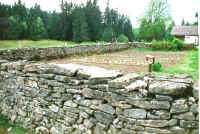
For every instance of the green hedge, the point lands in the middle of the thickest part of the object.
(175, 44)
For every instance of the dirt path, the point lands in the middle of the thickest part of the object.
(126, 61)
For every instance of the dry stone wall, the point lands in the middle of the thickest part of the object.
(58, 52)
(76, 99)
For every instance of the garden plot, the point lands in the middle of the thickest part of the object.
(126, 61)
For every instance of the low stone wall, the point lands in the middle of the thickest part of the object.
(58, 52)
(75, 99)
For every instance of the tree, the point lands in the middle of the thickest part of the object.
(79, 25)
(108, 34)
(37, 30)
(153, 23)
(93, 17)
(168, 35)
(158, 10)
(15, 28)
(183, 22)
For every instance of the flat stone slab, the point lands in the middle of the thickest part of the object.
(124, 81)
(90, 72)
(169, 88)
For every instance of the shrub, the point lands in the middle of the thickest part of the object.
(163, 45)
(157, 44)
(180, 44)
(157, 67)
(122, 38)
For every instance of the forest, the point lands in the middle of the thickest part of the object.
(75, 22)
(85, 22)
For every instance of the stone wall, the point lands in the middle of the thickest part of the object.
(59, 52)
(75, 99)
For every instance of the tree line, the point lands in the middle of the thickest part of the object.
(85, 22)
(75, 22)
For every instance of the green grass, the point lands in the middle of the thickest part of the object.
(5, 125)
(188, 66)
(12, 44)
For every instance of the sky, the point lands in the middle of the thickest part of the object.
(179, 9)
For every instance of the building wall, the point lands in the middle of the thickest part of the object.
(191, 39)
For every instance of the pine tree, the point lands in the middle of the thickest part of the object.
(37, 30)
(80, 26)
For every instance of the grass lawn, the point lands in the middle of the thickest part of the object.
(5, 125)
(188, 66)
(11, 44)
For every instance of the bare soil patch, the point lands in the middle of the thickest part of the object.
(126, 61)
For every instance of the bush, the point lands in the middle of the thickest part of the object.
(164, 45)
(122, 38)
(180, 44)
(157, 67)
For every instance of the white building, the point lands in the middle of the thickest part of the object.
(188, 34)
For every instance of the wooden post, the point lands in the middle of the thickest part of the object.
(150, 60)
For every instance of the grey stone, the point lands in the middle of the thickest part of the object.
(91, 72)
(126, 119)
(197, 117)
(127, 131)
(65, 69)
(47, 76)
(41, 129)
(84, 114)
(88, 123)
(89, 93)
(106, 108)
(22, 113)
(189, 124)
(153, 123)
(158, 131)
(103, 117)
(70, 115)
(121, 105)
(83, 102)
(195, 131)
(179, 106)
(194, 108)
(69, 120)
(56, 95)
(133, 126)
(124, 81)
(135, 113)
(70, 103)
(164, 98)
(163, 115)
(138, 84)
(86, 109)
(172, 122)
(195, 90)
(177, 130)
(54, 108)
(185, 116)
(54, 131)
(98, 130)
(150, 104)
(168, 88)
(73, 91)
